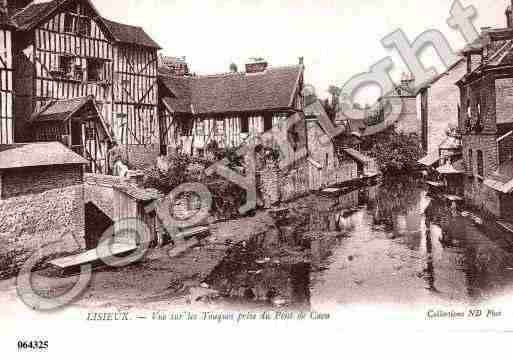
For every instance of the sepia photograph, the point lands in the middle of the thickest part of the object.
(275, 177)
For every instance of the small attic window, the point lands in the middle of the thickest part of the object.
(68, 22)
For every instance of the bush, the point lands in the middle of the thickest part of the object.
(394, 152)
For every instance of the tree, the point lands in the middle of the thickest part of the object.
(394, 152)
(233, 67)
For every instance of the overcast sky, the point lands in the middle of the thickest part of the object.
(338, 39)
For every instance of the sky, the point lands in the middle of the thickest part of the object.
(338, 39)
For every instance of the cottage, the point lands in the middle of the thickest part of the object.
(486, 122)
(325, 166)
(41, 201)
(58, 53)
(227, 109)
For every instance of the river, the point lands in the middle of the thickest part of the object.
(386, 244)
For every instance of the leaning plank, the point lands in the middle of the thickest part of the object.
(91, 256)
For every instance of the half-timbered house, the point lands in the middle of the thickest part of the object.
(227, 109)
(65, 54)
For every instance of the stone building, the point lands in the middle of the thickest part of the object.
(440, 104)
(486, 121)
(41, 201)
(227, 109)
(331, 160)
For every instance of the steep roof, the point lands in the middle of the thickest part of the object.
(62, 110)
(272, 89)
(22, 155)
(130, 34)
(34, 12)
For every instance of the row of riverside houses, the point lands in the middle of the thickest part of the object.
(480, 157)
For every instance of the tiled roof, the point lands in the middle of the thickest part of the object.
(140, 194)
(179, 98)
(60, 110)
(272, 89)
(129, 34)
(358, 156)
(28, 17)
(37, 154)
(34, 12)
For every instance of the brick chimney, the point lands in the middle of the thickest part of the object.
(509, 15)
(256, 65)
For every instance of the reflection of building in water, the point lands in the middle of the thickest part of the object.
(466, 263)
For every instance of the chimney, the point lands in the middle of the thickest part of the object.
(509, 15)
(256, 65)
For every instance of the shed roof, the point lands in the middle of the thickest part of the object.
(272, 89)
(140, 194)
(22, 155)
(358, 156)
(430, 159)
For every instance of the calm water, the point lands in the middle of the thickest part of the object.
(390, 243)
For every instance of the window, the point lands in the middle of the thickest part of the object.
(68, 23)
(470, 162)
(84, 27)
(480, 163)
(95, 70)
(468, 123)
(200, 128)
(268, 123)
(244, 125)
(65, 65)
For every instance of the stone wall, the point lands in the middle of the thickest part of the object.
(142, 156)
(482, 197)
(31, 221)
(23, 181)
(268, 185)
(485, 143)
(293, 182)
(99, 191)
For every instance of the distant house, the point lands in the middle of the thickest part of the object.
(332, 161)
(227, 109)
(440, 104)
(398, 109)
(41, 201)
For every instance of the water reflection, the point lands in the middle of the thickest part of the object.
(383, 243)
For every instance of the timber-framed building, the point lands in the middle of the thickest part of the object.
(75, 77)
